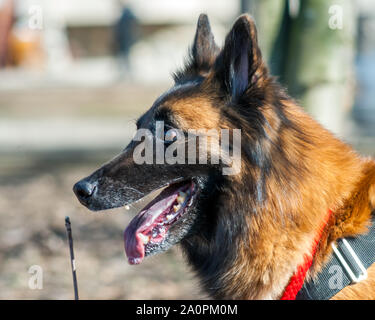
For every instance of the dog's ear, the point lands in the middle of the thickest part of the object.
(202, 55)
(240, 63)
(204, 50)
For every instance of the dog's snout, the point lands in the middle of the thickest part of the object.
(84, 190)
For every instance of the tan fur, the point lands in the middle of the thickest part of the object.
(318, 173)
(337, 179)
(188, 114)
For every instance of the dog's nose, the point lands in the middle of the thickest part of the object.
(84, 190)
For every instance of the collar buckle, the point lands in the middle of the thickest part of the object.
(349, 261)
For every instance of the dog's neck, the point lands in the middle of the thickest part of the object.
(259, 241)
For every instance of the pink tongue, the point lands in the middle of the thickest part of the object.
(143, 221)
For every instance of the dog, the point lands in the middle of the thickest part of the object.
(244, 234)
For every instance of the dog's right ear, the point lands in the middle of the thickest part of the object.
(240, 64)
(203, 52)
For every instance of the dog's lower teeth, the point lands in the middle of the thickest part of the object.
(160, 229)
(145, 239)
(181, 197)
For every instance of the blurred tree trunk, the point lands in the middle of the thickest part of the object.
(320, 65)
(269, 20)
(246, 6)
(310, 46)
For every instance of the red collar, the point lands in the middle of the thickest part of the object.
(297, 280)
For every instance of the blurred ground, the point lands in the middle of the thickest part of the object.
(52, 138)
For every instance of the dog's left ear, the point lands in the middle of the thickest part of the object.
(240, 63)
(202, 54)
(204, 49)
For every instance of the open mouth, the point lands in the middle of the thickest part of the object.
(150, 227)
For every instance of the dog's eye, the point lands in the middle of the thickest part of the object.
(171, 136)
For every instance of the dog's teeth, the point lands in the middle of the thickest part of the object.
(145, 239)
(181, 197)
(176, 207)
(127, 207)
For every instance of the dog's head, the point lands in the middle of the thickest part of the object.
(212, 92)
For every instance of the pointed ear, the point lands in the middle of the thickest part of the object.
(240, 63)
(204, 50)
(202, 54)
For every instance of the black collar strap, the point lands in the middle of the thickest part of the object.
(350, 259)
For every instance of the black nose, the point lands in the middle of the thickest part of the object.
(84, 190)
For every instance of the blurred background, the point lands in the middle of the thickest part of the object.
(74, 75)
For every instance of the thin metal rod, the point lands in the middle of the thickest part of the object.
(72, 261)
